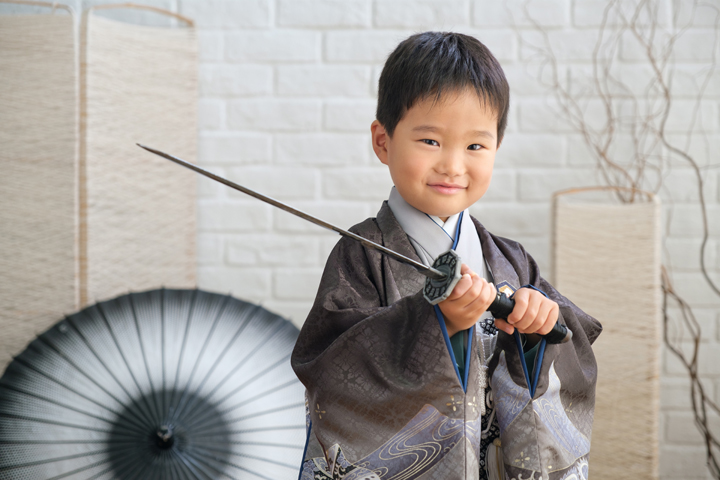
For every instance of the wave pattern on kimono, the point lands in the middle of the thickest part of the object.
(384, 397)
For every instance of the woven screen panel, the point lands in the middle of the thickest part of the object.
(607, 261)
(137, 209)
(38, 154)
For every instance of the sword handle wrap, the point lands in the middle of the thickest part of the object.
(502, 306)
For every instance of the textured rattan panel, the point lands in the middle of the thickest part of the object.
(607, 261)
(138, 210)
(38, 156)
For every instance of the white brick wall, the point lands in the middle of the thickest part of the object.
(306, 130)
(294, 123)
(324, 13)
(288, 92)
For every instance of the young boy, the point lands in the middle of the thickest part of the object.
(399, 389)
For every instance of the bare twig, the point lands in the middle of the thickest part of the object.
(642, 118)
(701, 402)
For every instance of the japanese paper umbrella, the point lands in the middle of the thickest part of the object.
(164, 384)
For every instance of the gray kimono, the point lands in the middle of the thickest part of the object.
(385, 398)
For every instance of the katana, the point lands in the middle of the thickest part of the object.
(424, 269)
(441, 277)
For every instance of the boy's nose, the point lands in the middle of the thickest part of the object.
(451, 164)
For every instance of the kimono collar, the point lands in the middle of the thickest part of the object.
(429, 238)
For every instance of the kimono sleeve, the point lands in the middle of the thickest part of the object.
(352, 294)
(545, 434)
(375, 363)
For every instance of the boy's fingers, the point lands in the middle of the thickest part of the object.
(520, 307)
(536, 321)
(504, 326)
(461, 287)
(550, 320)
(483, 296)
(477, 287)
(530, 315)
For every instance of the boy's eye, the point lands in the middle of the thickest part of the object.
(475, 146)
(430, 142)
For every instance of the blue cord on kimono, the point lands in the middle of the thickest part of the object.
(471, 332)
(538, 359)
(541, 348)
(533, 287)
(468, 349)
(443, 327)
(457, 231)
(307, 442)
(518, 342)
(445, 231)
(538, 363)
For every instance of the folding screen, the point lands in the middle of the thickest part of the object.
(85, 214)
(137, 210)
(38, 184)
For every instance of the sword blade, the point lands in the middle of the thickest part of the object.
(425, 270)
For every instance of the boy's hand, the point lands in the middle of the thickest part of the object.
(469, 299)
(472, 296)
(533, 313)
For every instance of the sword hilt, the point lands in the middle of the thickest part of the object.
(503, 306)
(435, 291)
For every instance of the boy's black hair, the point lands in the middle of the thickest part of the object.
(430, 63)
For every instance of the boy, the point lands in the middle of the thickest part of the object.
(399, 389)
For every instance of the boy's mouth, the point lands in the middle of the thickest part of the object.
(446, 188)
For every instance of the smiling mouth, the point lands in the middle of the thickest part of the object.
(446, 188)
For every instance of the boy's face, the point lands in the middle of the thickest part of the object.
(442, 153)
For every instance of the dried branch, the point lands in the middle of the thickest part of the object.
(644, 118)
(701, 402)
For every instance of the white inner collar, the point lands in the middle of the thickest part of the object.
(449, 225)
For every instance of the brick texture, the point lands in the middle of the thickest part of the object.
(548, 13)
(235, 80)
(421, 13)
(271, 46)
(324, 13)
(323, 81)
(228, 14)
(274, 114)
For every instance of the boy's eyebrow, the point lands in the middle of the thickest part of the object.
(430, 128)
(483, 133)
(425, 128)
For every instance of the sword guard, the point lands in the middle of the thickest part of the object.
(435, 291)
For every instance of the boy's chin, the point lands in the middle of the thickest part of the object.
(430, 207)
(444, 214)
(448, 211)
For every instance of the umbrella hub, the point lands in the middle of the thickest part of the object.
(169, 429)
(165, 438)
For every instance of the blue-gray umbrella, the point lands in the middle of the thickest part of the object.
(164, 384)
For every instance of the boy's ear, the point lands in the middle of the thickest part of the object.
(379, 141)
